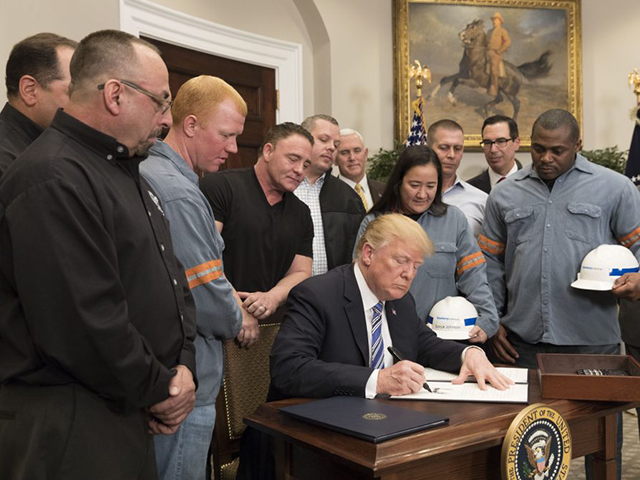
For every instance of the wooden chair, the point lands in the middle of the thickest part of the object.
(244, 388)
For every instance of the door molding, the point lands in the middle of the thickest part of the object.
(141, 17)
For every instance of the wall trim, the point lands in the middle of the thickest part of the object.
(141, 17)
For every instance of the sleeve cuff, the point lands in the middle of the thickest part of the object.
(464, 352)
(372, 383)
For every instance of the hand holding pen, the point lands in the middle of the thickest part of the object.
(397, 356)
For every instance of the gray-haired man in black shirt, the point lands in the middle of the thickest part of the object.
(97, 325)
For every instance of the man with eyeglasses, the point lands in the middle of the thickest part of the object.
(500, 142)
(97, 324)
(446, 138)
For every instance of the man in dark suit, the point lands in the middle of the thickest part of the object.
(500, 142)
(338, 326)
(335, 335)
(351, 161)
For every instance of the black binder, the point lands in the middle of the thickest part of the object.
(362, 418)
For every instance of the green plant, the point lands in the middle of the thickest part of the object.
(381, 164)
(609, 157)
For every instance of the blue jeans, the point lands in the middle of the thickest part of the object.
(527, 358)
(183, 455)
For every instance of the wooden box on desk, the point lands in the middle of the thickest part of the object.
(558, 377)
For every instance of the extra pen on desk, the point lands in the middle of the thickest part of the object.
(395, 353)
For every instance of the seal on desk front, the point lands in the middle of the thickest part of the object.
(537, 446)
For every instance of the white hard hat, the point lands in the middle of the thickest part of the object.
(452, 318)
(603, 265)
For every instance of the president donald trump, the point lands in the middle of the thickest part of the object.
(339, 325)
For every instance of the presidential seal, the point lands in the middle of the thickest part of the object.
(537, 446)
(374, 416)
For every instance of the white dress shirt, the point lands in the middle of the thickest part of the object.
(365, 188)
(494, 177)
(470, 200)
(369, 300)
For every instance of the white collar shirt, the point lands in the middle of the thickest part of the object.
(365, 188)
(494, 177)
(470, 200)
(369, 300)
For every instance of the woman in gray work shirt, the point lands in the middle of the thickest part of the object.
(458, 266)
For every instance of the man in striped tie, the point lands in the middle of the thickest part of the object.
(338, 328)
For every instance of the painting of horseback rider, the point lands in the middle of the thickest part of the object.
(498, 42)
(482, 65)
(486, 58)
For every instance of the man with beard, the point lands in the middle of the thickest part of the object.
(96, 335)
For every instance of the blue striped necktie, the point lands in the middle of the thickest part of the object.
(377, 344)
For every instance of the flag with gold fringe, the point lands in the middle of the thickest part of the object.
(632, 169)
(417, 135)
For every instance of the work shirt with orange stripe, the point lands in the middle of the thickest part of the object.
(199, 247)
(535, 240)
(456, 268)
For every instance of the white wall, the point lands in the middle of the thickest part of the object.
(348, 58)
(70, 18)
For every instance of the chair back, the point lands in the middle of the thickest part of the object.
(244, 389)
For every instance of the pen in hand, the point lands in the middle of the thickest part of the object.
(397, 356)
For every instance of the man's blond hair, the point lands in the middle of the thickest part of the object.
(394, 226)
(200, 96)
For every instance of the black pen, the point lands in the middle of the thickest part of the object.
(395, 353)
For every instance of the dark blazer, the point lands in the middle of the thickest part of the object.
(376, 188)
(342, 212)
(322, 348)
(482, 181)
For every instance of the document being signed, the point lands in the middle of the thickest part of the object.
(443, 389)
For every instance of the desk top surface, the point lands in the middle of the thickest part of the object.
(472, 427)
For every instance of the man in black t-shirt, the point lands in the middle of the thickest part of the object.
(267, 231)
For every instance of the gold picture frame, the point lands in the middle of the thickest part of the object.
(431, 31)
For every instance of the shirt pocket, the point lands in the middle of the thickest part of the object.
(443, 262)
(519, 223)
(583, 221)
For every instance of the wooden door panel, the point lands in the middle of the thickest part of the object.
(254, 83)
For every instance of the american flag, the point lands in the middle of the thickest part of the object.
(633, 160)
(417, 135)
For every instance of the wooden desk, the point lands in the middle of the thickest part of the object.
(468, 449)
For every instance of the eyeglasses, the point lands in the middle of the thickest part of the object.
(500, 143)
(163, 103)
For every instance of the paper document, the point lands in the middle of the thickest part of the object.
(443, 389)
(518, 375)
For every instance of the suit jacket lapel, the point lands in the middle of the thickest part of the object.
(355, 314)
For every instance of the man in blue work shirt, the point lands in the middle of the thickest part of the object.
(208, 116)
(539, 225)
